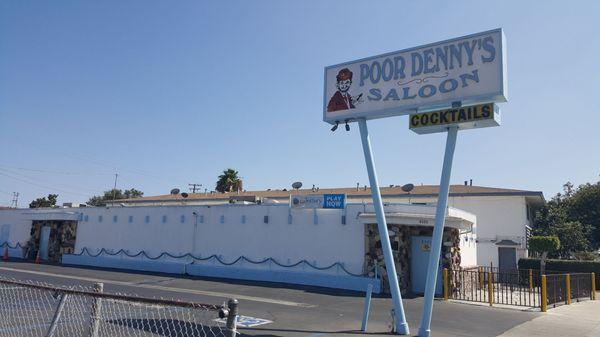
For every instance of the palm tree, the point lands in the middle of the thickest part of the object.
(229, 181)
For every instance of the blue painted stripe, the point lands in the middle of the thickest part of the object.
(344, 282)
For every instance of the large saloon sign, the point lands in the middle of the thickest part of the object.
(444, 86)
(469, 70)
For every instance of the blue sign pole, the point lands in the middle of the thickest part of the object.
(438, 232)
(400, 321)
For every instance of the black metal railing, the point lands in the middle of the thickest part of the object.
(566, 288)
(518, 288)
(522, 287)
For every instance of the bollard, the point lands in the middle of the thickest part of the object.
(544, 300)
(481, 277)
(96, 308)
(490, 289)
(365, 320)
(446, 285)
(232, 304)
(593, 297)
(530, 279)
(568, 289)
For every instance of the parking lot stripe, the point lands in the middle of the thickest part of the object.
(170, 289)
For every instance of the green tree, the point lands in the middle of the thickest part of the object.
(582, 205)
(229, 181)
(553, 212)
(573, 237)
(132, 193)
(44, 202)
(114, 194)
(542, 246)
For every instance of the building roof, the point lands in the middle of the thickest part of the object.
(351, 192)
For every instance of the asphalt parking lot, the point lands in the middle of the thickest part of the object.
(294, 311)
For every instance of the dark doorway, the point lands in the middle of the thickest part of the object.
(507, 258)
(51, 239)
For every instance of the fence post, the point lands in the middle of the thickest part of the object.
(232, 304)
(480, 277)
(568, 289)
(446, 284)
(490, 289)
(544, 299)
(593, 297)
(96, 308)
(56, 317)
(530, 279)
(365, 320)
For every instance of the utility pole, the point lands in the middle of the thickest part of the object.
(15, 200)
(115, 188)
(194, 187)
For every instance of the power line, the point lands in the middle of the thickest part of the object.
(87, 188)
(1, 191)
(50, 188)
(118, 166)
(53, 172)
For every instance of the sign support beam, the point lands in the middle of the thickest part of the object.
(438, 232)
(400, 319)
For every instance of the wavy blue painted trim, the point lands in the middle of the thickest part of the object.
(6, 243)
(104, 251)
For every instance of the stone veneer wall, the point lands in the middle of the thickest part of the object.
(400, 240)
(61, 241)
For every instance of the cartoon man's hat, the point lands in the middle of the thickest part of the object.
(344, 74)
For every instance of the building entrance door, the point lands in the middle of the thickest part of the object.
(420, 246)
(44, 240)
(507, 258)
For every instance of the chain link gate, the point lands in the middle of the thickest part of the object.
(36, 309)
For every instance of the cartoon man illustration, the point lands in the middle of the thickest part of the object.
(342, 100)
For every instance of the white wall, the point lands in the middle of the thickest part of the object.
(19, 228)
(324, 243)
(498, 218)
(468, 250)
(13, 223)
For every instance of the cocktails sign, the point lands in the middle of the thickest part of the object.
(470, 70)
(468, 117)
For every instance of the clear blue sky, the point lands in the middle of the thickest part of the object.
(172, 92)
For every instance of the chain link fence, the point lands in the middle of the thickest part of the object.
(37, 309)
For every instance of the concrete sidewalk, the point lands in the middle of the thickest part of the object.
(579, 319)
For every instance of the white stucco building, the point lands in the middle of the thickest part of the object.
(257, 236)
(504, 216)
